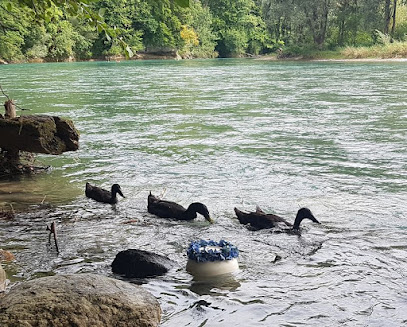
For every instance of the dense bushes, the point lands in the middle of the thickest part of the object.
(205, 29)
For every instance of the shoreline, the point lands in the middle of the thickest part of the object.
(258, 58)
(300, 58)
(365, 60)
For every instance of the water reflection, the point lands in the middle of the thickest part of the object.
(212, 285)
(52, 188)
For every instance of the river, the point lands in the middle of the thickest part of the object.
(330, 136)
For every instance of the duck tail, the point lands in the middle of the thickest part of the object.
(238, 213)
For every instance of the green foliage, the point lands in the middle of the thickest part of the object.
(233, 42)
(383, 38)
(299, 51)
(163, 31)
(400, 32)
(198, 18)
(363, 38)
(10, 46)
(63, 29)
(61, 41)
(13, 27)
(238, 26)
(35, 43)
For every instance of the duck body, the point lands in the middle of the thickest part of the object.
(261, 220)
(101, 195)
(170, 209)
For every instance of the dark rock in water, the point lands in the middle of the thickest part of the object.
(140, 264)
(81, 300)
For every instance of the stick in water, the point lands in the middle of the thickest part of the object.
(53, 230)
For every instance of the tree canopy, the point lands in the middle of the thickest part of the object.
(57, 30)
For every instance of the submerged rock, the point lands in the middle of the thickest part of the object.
(79, 300)
(140, 264)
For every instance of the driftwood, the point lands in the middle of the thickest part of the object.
(10, 109)
(33, 134)
(39, 134)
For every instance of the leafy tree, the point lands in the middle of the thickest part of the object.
(160, 23)
(316, 17)
(84, 37)
(258, 39)
(44, 11)
(59, 29)
(61, 42)
(13, 27)
(237, 24)
(118, 15)
(197, 20)
(35, 43)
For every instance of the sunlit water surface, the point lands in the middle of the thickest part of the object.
(328, 136)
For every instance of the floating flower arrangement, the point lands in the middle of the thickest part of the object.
(204, 251)
(210, 258)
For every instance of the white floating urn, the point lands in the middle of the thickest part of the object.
(210, 258)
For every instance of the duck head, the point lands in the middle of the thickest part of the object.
(302, 214)
(201, 209)
(116, 189)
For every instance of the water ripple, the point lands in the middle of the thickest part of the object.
(329, 136)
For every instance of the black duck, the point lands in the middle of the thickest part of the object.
(101, 195)
(169, 209)
(260, 220)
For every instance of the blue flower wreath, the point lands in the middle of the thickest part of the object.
(199, 252)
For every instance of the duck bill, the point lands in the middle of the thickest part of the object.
(210, 219)
(315, 220)
(120, 192)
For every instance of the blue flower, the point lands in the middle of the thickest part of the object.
(203, 251)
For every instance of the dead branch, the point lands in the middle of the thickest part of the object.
(53, 230)
(8, 98)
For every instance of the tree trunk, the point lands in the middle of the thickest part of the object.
(10, 109)
(393, 26)
(317, 18)
(387, 16)
(341, 36)
(10, 154)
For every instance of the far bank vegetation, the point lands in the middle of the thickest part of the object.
(206, 29)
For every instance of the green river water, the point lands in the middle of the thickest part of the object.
(330, 136)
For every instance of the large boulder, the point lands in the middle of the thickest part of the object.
(140, 264)
(79, 300)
